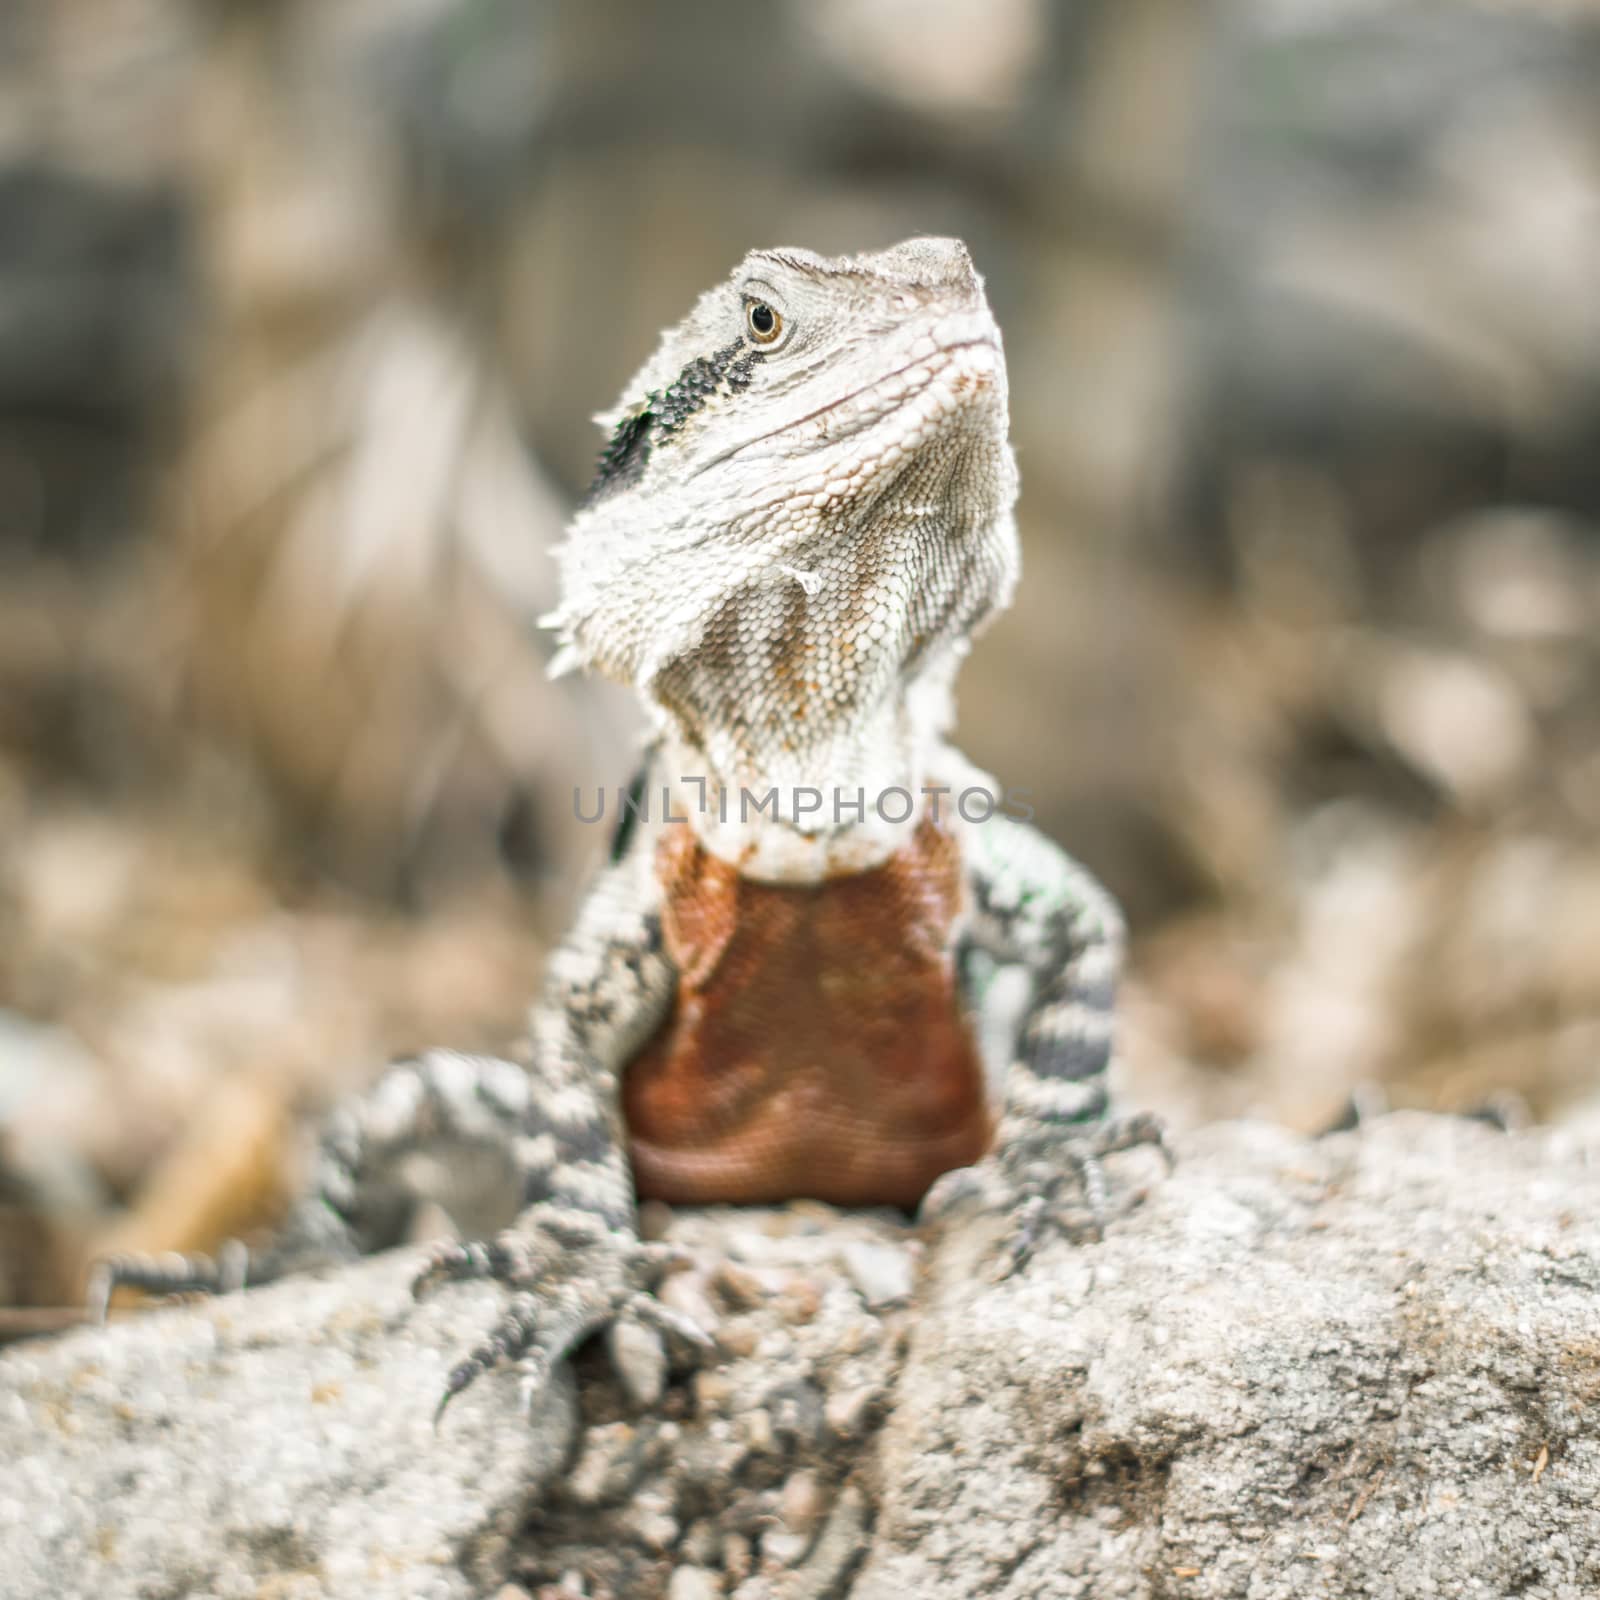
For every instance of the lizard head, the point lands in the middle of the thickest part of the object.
(803, 509)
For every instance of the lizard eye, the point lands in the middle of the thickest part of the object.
(763, 322)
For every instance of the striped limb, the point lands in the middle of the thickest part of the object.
(365, 1180)
(1033, 906)
(543, 1143)
(572, 1259)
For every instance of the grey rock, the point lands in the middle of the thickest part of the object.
(881, 1272)
(280, 1441)
(1359, 1367)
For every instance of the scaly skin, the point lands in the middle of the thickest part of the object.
(802, 517)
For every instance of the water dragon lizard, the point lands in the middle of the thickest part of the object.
(777, 986)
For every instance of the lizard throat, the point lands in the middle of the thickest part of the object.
(843, 805)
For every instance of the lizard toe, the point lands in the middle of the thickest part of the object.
(168, 1274)
(536, 1332)
(1048, 1182)
(568, 1286)
(963, 1188)
(505, 1258)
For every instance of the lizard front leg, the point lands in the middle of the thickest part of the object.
(573, 1259)
(552, 1132)
(363, 1186)
(1032, 905)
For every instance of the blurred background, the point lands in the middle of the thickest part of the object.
(305, 306)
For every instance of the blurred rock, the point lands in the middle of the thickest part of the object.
(92, 329)
(299, 1465)
(1458, 721)
(1302, 1370)
(1298, 1369)
(49, 1196)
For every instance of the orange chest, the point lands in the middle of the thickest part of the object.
(817, 1045)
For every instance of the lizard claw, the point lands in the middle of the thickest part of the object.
(463, 1262)
(168, 1274)
(571, 1277)
(1032, 1176)
(1042, 1167)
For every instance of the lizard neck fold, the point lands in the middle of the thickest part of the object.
(841, 807)
(844, 802)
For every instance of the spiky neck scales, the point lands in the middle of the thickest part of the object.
(803, 514)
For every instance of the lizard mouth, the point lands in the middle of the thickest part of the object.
(885, 394)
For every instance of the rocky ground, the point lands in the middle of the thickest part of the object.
(1360, 1366)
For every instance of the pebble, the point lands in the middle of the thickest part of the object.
(712, 1390)
(655, 1218)
(685, 1293)
(881, 1272)
(700, 1543)
(694, 1583)
(758, 1431)
(800, 1301)
(609, 1465)
(737, 1557)
(640, 1361)
(787, 1549)
(739, 1336)
(861, 1334)
(847, 1411)
(654, 1529)
(739, 1286)
(801, 1503)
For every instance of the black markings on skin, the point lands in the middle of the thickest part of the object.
(622, 462)
(588, 1144)
(664, 411)
(628, 813)
(733, 365)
